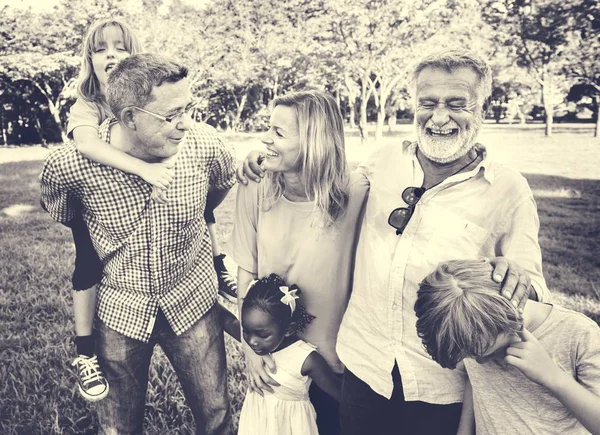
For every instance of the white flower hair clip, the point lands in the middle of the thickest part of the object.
(289, 297)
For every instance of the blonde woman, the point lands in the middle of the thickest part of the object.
(301, 222)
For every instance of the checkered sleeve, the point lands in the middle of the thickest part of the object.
(56, 198)
(222, 170)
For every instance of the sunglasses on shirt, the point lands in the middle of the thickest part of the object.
(399, 217)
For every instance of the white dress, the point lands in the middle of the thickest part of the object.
(286, 411)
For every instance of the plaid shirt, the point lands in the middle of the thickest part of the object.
(155, 256)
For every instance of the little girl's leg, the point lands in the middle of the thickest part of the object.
(227, 282)
(88, 270)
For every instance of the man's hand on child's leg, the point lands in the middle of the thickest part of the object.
(529, 356)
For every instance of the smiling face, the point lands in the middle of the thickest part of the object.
(449, 113)
(261, 331)
(283, 141)
(156, 138)
(108, 52)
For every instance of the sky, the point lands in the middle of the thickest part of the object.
(36, 4)
(48, 4)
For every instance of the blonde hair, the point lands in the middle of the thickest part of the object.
(461, 312)
(88, 87)
(324, 168)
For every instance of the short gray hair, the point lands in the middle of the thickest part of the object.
(132, 80)
(452, 59)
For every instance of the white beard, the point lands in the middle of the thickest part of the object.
(443, 151)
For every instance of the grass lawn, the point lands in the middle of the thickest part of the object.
(37, 389)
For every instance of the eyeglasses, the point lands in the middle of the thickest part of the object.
(189, 109)
(399, 217)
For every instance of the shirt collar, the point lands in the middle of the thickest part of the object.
(488, 169)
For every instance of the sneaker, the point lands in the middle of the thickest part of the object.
(227, 285)
(92, 384)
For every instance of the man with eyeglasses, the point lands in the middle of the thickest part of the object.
(159, 284)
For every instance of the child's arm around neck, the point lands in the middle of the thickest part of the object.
(94, 148)
(319, 371)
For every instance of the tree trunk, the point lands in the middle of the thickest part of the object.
(549, 120)
(238, 114)
(548, 102)
(54, 109)
(380, 122)
(40, 132)
(276, 87)
(4, 135)
(348, 82)
(597, 128)
(392, 122)
(362, 122)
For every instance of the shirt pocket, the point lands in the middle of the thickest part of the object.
(187, 199)
(454, 237)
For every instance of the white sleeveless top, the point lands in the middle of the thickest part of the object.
(286, 411)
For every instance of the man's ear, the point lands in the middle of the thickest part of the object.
(128, 118)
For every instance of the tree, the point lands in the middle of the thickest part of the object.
(588, 96)
(536, 33)
(49, 74)
(376, 37)
(582, 57)
(42, 49)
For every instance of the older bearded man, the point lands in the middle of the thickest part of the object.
(436, 199)
(444, 199)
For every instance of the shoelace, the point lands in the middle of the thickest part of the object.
(229, 280)
(89, 369)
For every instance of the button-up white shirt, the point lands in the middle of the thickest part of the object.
(486, 212)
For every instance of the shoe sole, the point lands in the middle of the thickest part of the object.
(91, 398)
(228, 297)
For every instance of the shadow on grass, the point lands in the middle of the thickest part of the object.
(570, 234)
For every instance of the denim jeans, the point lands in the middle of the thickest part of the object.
(363, 411)
(198, 358)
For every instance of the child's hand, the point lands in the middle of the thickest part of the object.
(160, 175)
(159, 196)
(529, 356)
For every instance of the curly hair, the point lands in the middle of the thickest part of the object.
(460, 311)
(265, 295)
